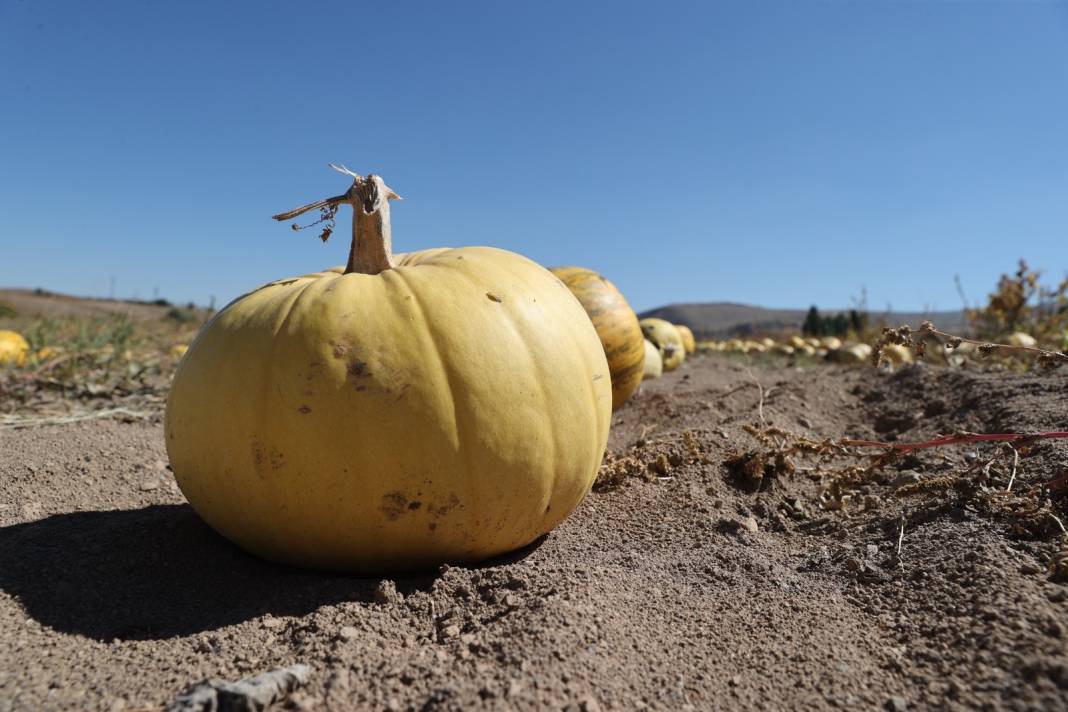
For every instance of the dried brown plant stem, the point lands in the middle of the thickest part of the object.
(900, 538)
(917, 339)
(1015, 464)
(958, 439)
(1059, 523)
(760, 388)
(372, 239)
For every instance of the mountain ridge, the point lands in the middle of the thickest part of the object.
(713, 320)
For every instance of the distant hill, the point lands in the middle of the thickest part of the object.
(718, 320)
(37, 303)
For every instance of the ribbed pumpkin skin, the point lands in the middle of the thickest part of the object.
(654, 365)
(667, 339)
(688, 342)
(616, 324)
(450, 409)
(13, 348)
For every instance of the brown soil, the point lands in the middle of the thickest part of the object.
(675, 585)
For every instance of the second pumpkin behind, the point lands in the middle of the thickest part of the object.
(616, 324)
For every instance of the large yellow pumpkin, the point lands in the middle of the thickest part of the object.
(13, 348)
(616, 324)
(666, 339)
(446, 406)
(688, 342)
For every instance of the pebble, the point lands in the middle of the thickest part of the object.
(348, 632)
(897, 703)
(589, 704)
(750, 525)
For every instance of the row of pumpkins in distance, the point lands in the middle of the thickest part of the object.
(646, 348)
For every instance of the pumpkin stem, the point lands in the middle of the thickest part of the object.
(372, 238)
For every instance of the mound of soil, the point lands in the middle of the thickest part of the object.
(681, 582)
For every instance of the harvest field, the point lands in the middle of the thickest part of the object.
(713, 357)
(718, 563)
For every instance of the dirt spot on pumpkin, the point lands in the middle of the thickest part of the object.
(441, 510)
(358, 369)
(265, 458)
(304, 409)
(393, 505)
(493, 297)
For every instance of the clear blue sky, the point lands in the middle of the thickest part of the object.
(776, 153)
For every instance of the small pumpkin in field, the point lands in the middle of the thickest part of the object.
(1022, 339)
(442, 406)
(616, 324)
(897, 354)
(13, 348)
(654, 364)
(688, 342)
(667, 340)
(851, 354)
